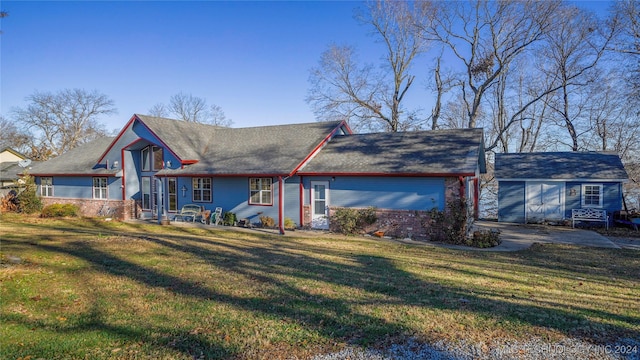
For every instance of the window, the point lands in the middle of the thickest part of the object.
(173, 194)
(158, 160)
(202, 189)
(152, 155)
(146, 193)
(260, 192)
(46, 186)
(146, 159)
(99, 187)
(592, 195)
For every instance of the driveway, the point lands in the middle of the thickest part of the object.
(521, 236)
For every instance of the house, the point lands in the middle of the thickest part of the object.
(154, 166)
(546, 186)
(12, 163)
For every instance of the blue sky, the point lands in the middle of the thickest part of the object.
(250, 58)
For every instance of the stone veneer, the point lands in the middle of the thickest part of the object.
(116, 209)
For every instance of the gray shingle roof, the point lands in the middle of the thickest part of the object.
(9, 171)
(560, 165)
(419, 152)
(77, 161)
(255, 150)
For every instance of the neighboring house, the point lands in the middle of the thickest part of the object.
(546, 186)
(154, 166)
(12, 163)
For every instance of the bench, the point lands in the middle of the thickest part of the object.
(589, 215)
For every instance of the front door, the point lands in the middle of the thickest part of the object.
(320, 204)
(544, 201)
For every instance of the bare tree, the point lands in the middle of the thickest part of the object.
(627, 44)
(368, 98)
(159, 110)
(11, 136)
(188, 107)
(574, 48)
(191, 108)
(58, 122)
(486, 36)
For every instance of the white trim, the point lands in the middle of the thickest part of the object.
(313, 204)
(563, 190)
(600, 196)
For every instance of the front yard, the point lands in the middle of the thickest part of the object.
(84, 288)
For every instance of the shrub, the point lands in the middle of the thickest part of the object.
(450, 225)
(267, 221)
(484, 239)
(352, 221)
(9, 202)
(60, 210)
(289, 224)
(28, 200)
(229, 218)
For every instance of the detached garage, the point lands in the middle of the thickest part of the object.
(541, 187)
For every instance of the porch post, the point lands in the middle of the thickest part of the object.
(281, 205)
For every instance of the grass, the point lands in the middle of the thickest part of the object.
(91, 289)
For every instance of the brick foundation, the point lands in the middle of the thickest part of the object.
(116, 209)
(402, 223)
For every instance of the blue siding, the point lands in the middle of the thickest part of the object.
(511, 200)
(128, 136)
(81, 187)
(394, 193)
(232, 194)
(612, 196)
(292, 199)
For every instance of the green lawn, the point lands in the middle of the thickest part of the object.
(92, 289)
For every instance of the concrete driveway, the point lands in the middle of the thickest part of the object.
(521, 236)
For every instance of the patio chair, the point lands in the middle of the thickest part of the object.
(216, 217)
(188, 212)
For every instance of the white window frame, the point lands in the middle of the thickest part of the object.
(148, 158)
(260, 191)
(100, 190)
(583, 201)
(145, 159)
(145, 190)
(202, 190)
(172, 191)
(46, 186)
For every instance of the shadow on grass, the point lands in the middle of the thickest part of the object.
(276, 264)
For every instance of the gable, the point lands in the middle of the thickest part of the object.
(9, 155)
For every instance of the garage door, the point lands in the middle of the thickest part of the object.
(544, 201)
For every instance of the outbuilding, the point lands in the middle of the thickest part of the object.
(547, 186)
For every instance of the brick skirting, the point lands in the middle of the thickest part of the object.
(116, 209)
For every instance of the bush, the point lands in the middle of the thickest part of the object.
(450, 225)
(352, 221)
(60, 210)
(484, 239)
(289, 224)
(267, 221)
(28, 200)
(9, 202)
(229, 218)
